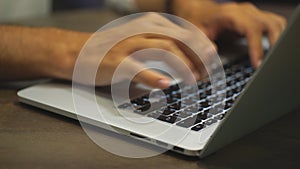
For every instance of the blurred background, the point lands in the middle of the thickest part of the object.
(59, 5)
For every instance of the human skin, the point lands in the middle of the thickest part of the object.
(213, 18)
(30, 53)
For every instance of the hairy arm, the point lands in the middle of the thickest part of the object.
(29, 53)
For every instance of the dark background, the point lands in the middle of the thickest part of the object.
(59, 5)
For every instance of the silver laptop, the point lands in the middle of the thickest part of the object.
(253, 99)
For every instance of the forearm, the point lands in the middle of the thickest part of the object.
(29, 53)
(16, 55)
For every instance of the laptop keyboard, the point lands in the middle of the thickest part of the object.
(189, 112)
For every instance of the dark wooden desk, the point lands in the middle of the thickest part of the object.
(34, 138)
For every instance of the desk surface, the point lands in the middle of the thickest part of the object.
(34, 138)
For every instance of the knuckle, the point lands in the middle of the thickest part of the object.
(282, 20)
(232, 4)
(248, 5)
(153, 15)
(167, 44)
(257, 28)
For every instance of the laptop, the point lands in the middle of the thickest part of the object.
(253, 99)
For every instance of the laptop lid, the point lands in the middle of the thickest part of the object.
(272, 92)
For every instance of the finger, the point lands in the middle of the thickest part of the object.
(253, 30)
(254, 38)
(273, 27)
(149, 77)
(195, 62)
(273, 33)
(273, 24)
(174, 61)
(280, 20)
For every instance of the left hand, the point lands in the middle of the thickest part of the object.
(243, 18)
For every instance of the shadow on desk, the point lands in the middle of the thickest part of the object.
(276, 145)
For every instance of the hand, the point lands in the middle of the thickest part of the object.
(52, 52)
(242, 18)
(123, 50)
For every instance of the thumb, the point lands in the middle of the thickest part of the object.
(148, 76)
(152, 78)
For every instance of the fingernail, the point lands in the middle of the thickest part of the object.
(259, 63)
(196, 75)
(163, 83)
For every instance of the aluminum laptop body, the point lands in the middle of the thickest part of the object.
(272, 92)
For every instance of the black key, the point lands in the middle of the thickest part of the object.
(171, 89)
(205, 104)
(239, 79)
(183, 114)
(217, 98)
(216, 109)
(228, 104)
(191, 90)
(202, 95)
(169, 119)
(157, 105)
(228, 72)
(145, 98)
(189, 101)
(220, 117)
(168, 111)
(249, 71)
(148, 107)
(208, 92)
(198, 127)
(174, 87)
(189, 122)
(204, 115)
(138, 101)
(176, 106)
(229, 93)
(204, 85)
(154, 115)
(176, 95)
(124, 106)
(230, 83)
(192, 109)
(171, 99)
(243, 85)
(237, 89)
(210, 122)
(143, 109)
(200, 108)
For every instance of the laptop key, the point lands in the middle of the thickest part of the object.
(204, 115)
(220, 117)
(205, 104)
(183, 114)
(228, 104)
(167, 111)
(198, 127)
(182, 105)
(171, 100)
(189, 101)
(210, 122)
(192, 109)
(169, 119)
(176, 106)
(189, 122)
